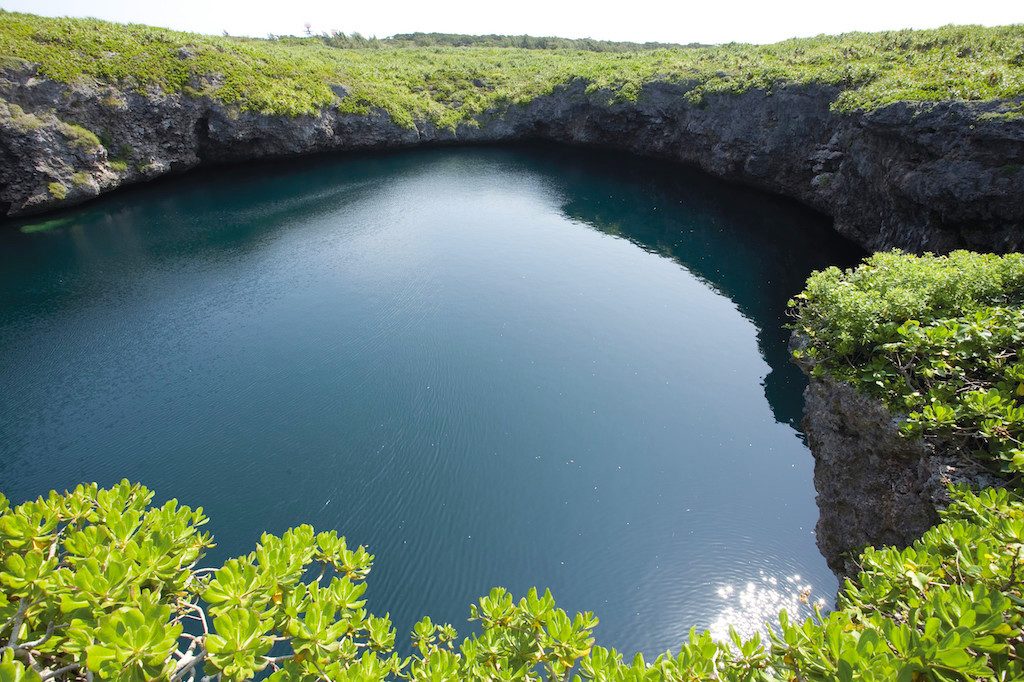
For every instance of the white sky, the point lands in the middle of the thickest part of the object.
(707, 21)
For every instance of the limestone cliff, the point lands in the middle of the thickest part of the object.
(920, 176)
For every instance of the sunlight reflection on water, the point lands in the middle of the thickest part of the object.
(754, 606)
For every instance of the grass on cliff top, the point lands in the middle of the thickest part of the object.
(447, 85)
(937, 338)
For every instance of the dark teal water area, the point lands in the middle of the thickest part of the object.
(492, 366)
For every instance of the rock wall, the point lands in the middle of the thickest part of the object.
(875, 487)
(917, 176)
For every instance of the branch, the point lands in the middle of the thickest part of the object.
(36, 642)
(19, 617)
(273, 661)
(61, 671)
(186, 665)
(201, 617)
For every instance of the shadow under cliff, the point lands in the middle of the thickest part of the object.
(753, 247)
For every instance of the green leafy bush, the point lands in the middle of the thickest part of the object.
(96, 583)
(937, 338)
(947, 608)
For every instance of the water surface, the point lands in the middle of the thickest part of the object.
(493, 367)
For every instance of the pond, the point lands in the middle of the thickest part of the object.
(522, 366)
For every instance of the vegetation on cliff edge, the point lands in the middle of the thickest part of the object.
(449, 85)
(937, 338)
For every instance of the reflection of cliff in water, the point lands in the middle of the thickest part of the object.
(206, 215)
(755, 248)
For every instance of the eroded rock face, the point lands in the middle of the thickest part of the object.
(875, 487)
(910, 175)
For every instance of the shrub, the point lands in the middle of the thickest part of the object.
(23, 121)
(947, 608)
(80, 137)
(937, 338)
(114, 101)
(97, 580)
(81, 179)
(58, 191)
(97, 583)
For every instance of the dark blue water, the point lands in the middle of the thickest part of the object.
(493, 367)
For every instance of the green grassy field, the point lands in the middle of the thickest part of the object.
(446, 85)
